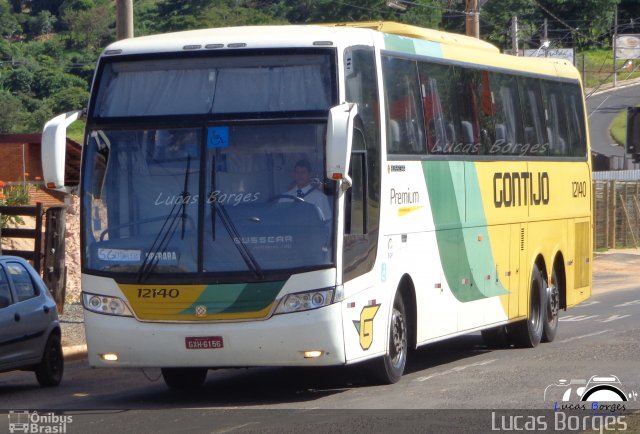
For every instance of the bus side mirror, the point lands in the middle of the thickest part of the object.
(53, 149)
(633, 133)
(339, 141)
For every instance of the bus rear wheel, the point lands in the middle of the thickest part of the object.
(529, 333)
(389, 368)
(552, 308)
(184, 378)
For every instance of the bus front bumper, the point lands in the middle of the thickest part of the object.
(281, 340)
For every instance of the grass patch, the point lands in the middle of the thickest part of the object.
(76, 131)
(618, 128)
(596, 68)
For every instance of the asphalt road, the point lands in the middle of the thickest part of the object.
(598, 337)
(602, 107)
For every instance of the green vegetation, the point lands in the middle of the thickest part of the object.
(618, 128)
(596, 67)
(76, 131)
(48, 48)
(16, 194)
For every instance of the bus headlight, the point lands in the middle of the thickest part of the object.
(308, 300)
(105, 304)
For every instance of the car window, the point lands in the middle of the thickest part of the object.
(5, 292)
(22, 282)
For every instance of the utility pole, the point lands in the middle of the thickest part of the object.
(124, 19)
(473, 18)
(546, 39)
(615, 43)
(514, 35)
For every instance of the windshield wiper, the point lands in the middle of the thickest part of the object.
(231, 229)
(164, 235)
(244, 251)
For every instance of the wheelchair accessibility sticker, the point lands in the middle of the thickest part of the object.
(217, 137)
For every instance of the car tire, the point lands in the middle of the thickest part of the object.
(49, 371)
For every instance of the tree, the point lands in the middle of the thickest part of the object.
(48, 82)
(91, 28)
(11, 110)
(41, 24)
(8, 23)
(180, 14)
(19, 80)
(496, 18)
(70, 98)
(53, 6)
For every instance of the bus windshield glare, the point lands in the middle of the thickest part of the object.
(214, 85)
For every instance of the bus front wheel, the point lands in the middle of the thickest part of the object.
(184, 378)
(529, 333)
(389, 368)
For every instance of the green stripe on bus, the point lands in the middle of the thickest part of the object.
(412, 46)
(464, 261)
(236, 297)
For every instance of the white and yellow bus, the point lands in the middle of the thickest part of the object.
(450, 184)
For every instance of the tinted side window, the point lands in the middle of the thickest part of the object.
(575, 120)
(5, 291)
(509, 135)
(535, 128)
(439, 113)
(565, 119)
(556, 121)
(22, 282)
(405, 131)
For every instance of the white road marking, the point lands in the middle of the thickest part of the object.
(577, 317)
(234, 428)
(454, 370)
(587, 303)
(613, 318)
(628, 303)
(599, 105)
(584, 336)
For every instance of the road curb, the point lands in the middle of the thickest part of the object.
(74, 352)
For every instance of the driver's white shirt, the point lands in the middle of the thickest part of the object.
(313, 195)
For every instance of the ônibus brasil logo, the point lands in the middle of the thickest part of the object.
(33, 422)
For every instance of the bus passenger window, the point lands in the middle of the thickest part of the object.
(404, 107)
(535, 131)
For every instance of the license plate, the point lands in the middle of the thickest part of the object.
(203, 343)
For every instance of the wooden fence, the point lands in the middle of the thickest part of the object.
(48, 254)
(616, 219)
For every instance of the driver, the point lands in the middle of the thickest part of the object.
(305, 190)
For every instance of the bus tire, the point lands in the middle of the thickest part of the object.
(184, 378)
(552, 308)
(389, 368)
(529, 333)
(495, 337)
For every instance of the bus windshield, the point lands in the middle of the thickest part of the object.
(210, 199)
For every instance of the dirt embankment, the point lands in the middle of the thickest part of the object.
(615, 269)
